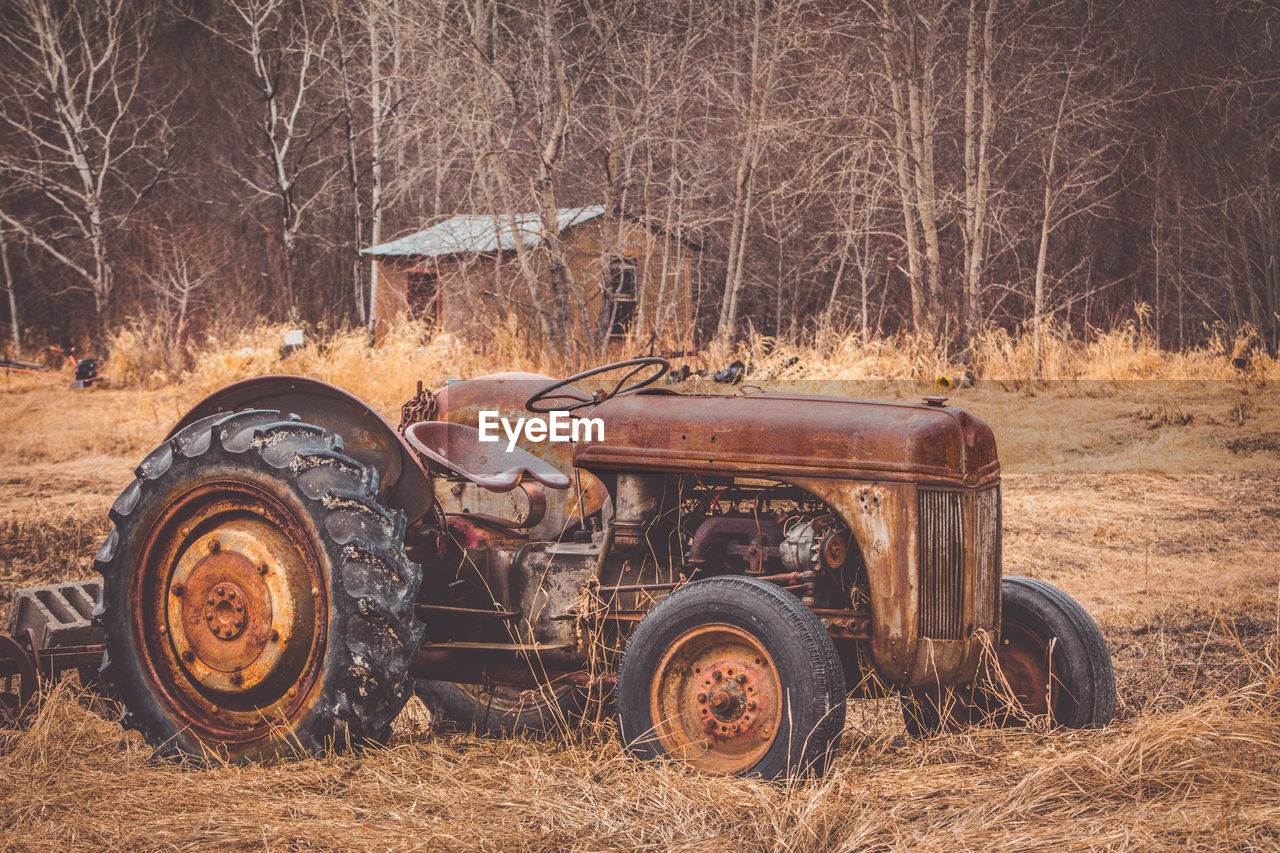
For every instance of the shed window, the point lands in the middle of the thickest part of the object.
(620, 295)
(422, 294)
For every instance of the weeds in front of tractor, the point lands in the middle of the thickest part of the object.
(1201, 774)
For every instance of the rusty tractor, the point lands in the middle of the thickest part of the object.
(286, 569)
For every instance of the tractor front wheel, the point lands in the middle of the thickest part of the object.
(734, 676)
(1052, 662)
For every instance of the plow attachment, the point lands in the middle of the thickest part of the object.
(50, 631)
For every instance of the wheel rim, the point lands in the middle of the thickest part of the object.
(1026, 665)
(229, 611)
(716, 700)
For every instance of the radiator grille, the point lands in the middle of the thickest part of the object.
(941, 564)
(986, 577)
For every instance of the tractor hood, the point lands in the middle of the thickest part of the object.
(785, 435)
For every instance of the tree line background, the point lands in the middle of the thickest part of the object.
(937, 167)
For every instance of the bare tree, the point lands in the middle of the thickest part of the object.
(979, 123)
(11, 292)
(81, 143)
(284, 45)
(1075, 167)
(178, 268)
(754, 101)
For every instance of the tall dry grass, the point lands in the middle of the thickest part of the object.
(1200, 777)
(386, 372)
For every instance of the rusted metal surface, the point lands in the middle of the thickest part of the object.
(457, 448)
(228, 608)
(521, 508)
(750, 540)
(18, 679)
(366, 436)
(505, 394)
(717, 699)
(845, 624)
(784, 436)
(910, 490)
(1027, 667)
(521, 664)
(885, 521)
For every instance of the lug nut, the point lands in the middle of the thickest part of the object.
(742, 678)
(239, 623)
(237, 679)
(262, 569)
(215, 546)
(231, 595)
(189, 656)
(177, 589)
(751, 706)
(222, 593)
(716, 675)
(275, 635)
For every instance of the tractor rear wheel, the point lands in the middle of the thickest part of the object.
(257, 600)
(734, 676)
(1053, 662)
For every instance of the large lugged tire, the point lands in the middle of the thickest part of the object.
(735, 676)
(500, 710)
(257, 600)
(1053, 659)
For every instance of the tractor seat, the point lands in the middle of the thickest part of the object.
(458, 448)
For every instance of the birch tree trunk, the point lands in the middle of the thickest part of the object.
(13, 297)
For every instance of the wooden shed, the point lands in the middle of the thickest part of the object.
(474, 272)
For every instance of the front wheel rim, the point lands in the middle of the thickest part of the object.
(1026, 663)
(716, 700)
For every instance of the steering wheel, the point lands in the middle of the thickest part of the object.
(576, 402)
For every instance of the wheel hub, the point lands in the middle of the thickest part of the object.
(224, 611)
(717, 697)
(232, 601)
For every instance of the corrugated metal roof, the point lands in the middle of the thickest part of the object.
(480, 233)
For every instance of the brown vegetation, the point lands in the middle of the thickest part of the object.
(1153, 502)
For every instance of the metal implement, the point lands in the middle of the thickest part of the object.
(50, 631)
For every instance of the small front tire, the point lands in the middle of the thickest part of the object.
(1053, 663)
(733, 676)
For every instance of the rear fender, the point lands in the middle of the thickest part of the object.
(366, 436)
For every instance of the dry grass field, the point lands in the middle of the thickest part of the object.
(1154, 502)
